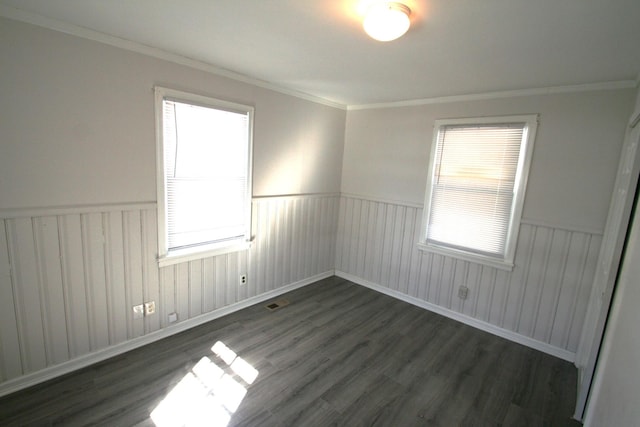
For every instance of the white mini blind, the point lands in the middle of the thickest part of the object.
(473, 187)
(206, 170)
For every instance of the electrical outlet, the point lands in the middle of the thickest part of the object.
(149, 308)
(138, 311)
(243, 279)
(463, 292)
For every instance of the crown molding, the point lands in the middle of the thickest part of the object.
(86, 33)
(615, 85)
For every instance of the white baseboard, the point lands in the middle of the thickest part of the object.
(479, 324)
(54, 371)
(83, 361)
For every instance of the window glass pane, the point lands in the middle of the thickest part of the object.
(473, 187)
(206, 155)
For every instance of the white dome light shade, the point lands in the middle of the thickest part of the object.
(387, 21)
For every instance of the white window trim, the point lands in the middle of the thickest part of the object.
(166, 257)
(522, 175)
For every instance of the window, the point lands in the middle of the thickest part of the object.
(475, 188)
(204, 175)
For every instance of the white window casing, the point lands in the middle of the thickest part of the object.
(478, 170)
(204, 159)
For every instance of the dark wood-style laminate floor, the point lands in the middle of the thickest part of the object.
(338, 354)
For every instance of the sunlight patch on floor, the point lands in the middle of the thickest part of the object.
(247, 372)
(207, 395)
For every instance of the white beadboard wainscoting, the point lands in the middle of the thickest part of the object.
(69, 278)
(541, 303)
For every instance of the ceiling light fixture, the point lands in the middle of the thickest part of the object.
(387, 21)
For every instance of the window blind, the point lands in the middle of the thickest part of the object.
(206, 174)
(473, 187)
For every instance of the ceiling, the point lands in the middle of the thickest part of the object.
(318, 47)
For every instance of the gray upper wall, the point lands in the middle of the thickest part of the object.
(77, 120)
(78, 126)
(574, 164)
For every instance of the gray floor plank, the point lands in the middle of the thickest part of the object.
(338, 354)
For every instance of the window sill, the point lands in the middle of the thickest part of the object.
(191, 254)
(467, 256)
